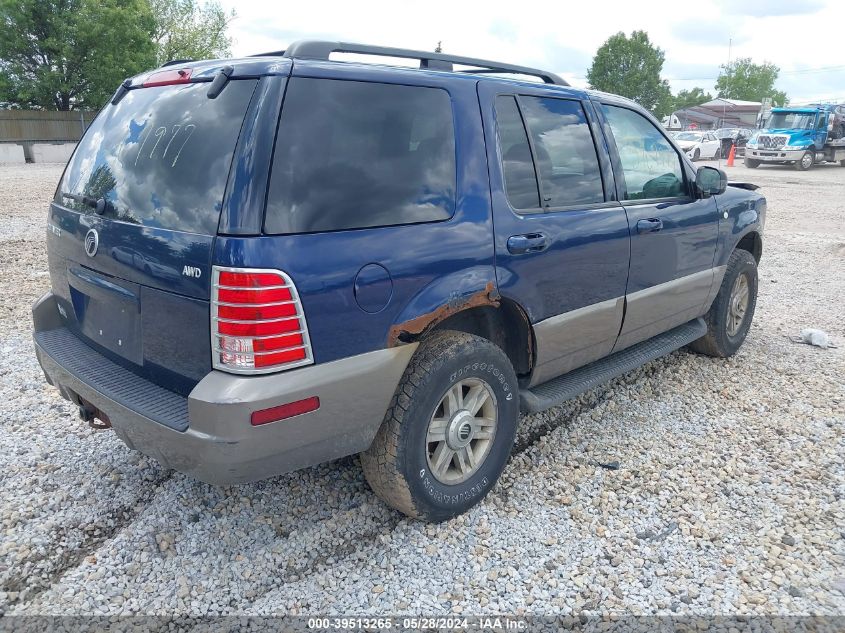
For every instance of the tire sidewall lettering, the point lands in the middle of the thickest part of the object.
(441, 496)
(479, 370)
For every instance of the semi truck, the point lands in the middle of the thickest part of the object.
(800, 136)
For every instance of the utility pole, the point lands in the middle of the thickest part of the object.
(724, 103)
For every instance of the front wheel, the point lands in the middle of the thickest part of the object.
(449, 430)
(730, 316)
(751, 163)
(696, 154)
(806, 161)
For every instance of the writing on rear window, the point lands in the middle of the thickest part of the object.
(161, 133)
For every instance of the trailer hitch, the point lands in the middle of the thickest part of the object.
(95, 418)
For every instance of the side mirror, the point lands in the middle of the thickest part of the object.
(711, 181)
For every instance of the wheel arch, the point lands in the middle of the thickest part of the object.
(752, 242)
(469, 302)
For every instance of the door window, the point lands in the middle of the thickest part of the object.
(652, 168)
(564, 152)
(517, 164)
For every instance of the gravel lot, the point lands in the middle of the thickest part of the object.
(729, 496)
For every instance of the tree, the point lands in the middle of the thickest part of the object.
(71, 54)
(187, 30)
(742, 79)
(631, 67)
(690, 98)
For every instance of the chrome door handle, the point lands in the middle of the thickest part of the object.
(650, 225)
(528, 243)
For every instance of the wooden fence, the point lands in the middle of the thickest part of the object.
(42, 125)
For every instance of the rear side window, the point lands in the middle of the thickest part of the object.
(564, 151)
(354, 154)
(652, 168)
(160, 157)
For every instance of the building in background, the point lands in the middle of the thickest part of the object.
(715, 114)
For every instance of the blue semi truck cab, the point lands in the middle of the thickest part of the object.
(800, 136)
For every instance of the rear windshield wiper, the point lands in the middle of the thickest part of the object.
(100, 205)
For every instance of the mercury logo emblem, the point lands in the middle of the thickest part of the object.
(92, 242)
(464, 432)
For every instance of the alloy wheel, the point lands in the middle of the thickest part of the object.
(461, 431)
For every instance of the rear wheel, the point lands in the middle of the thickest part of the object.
(449, 430)
(730, 316)
(751, 163)
(806, 161)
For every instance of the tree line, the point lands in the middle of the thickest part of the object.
(632, 67)
(72, 54)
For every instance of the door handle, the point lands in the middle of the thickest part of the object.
(650, 225)
(528, 243)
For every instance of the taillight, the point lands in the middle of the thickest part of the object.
(257, 322)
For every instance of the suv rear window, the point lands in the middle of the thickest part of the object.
(160, 157)
(353, 154)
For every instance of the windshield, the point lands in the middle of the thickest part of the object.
(160, 157)
(791, 120)
(689, 136)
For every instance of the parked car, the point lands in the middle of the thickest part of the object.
(733, 136)
(699, 145)
(386, 261)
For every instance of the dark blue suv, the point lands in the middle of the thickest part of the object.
(261, 264)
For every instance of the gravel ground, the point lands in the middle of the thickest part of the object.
(729, 496)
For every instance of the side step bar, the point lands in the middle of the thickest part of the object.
(563, 388)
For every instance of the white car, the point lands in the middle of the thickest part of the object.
(699, 144)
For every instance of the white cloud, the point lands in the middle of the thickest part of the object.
(562, 37)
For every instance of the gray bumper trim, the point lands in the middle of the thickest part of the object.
(219, 445)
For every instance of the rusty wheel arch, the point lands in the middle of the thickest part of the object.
(484, 313)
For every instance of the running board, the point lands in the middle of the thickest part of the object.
(563, 388)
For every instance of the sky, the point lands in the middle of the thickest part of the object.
(562, 36)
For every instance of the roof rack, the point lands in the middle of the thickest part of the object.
(319, 49)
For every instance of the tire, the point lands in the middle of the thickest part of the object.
(718, 154)
(751, 163)
(724, 336)
(806, 162)
(401, 463)
(696, 154)
(842, 162)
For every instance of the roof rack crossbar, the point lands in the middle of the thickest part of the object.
(319, 49)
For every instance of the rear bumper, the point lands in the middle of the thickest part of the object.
(208, 434)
